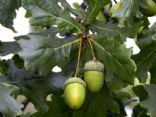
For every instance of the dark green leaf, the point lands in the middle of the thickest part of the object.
(42, 53)
(97, 105)
(140, 92)
(128, 9)
(153, 73)
(111, 29)
(47, 13)
(3, 66)
(8, 48)
(57, 109)
(116, 58)
(147, 55)
(149, 102)
(8, 13)
(8, 105)
(32, 86)
(94, 7)
(138, 111)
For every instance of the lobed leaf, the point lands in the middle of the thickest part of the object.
(126, 12)
(34, 87)
(147, 55)
(94, 7)
(96, 105)
(116, 58)
(8, 105)
(49, 12)
(42, 53)
(111, 29)
(150, 100)
(8, 13)
(8, 48)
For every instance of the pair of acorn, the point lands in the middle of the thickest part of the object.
(75, 87)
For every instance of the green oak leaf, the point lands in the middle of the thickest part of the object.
(8, 48)
(42, 53)
(140, 111)
(149, 100)
(147, 55)
(153, 73)
(149, 103)
(34, 87)
(57, 109)
(94, 7)
(8, 13)
(110, 29)
(98, 105)
(126, 12)
(8, 105)
(47, 13)
(116, 58)
(95, 105)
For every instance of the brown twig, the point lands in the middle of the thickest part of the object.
(92, 49)
(79, 56)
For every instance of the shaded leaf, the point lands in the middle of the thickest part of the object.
(153, 73)
(127, 10)
(47, 13)
(8, 13)
(34, 87)
(116, 58)
(140, 92)
(42, 53)
(57, 81)
(97, 105)
(111, 29)
(8, 105)
(8, 48)
(57, 109)
(139, 111)
(147, 55)
(94, 7)
(149, 102)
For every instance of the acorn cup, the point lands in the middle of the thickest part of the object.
(93, 75)
(74, 92)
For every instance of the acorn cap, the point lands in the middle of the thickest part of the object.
(74, 80)
(93, 65)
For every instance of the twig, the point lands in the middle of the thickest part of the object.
(79, 56)
(92, 49)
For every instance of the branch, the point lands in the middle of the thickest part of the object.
(79, 56)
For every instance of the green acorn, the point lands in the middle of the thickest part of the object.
(74, 92)
(93, 75)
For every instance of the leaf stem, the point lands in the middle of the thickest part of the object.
(79, 56)
(67, 44)
(92, 49)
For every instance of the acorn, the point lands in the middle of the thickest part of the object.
(93, 75)
(74, 92)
